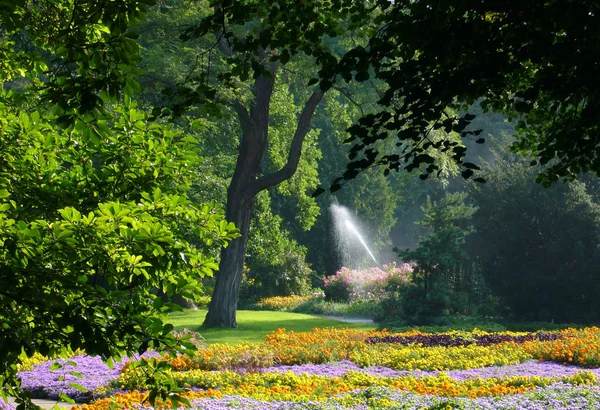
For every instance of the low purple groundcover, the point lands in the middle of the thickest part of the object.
(42, 382)
(5, 406)
(557, 396)
(529, 368)
(45, 383)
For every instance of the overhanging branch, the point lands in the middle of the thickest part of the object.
(288, 170)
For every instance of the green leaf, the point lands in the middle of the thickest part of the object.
(65, 398)
(78, 386)
(55, 366)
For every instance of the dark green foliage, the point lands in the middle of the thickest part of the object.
(438, 278)
(432, 54)
(534, 60)
(275, 263)
(469, 323)
(416, 305)
(537, 247)
(359, 309)
(285, 275)
(458, 340)
(338, 291)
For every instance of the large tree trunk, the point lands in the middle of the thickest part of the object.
(223, 305)
(245, 184)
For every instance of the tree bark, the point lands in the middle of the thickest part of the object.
(223, 305)
(245, 184)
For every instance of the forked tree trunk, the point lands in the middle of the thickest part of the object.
(245, 184)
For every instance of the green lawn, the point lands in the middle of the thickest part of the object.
(253, 325)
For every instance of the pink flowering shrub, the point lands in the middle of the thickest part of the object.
(349, 285)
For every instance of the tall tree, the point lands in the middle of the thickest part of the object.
(249, 57)
(247, 182)
(536, 247)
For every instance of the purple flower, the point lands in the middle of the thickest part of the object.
(529, 368)
(42, 382)
(5, 406)
(556, 396)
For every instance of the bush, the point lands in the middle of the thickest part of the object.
(90, 230)
(337, 291)
(413, 304)
(364, 309)
(349, 285)
(320, 306)
(439, 286)
(289, 275)
(446, 324)
(202, 301)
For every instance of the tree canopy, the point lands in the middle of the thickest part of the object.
(535, 61)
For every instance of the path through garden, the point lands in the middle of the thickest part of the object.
(45, 404)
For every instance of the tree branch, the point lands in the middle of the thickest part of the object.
(222, 42)
(263, 89)
(243, 115)
(291, 165)
(346, 93)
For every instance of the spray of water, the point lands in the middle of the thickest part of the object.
(350, 242)
(353, 229)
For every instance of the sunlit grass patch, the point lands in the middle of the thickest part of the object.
(253, 325)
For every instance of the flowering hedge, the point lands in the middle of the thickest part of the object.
(349, 285)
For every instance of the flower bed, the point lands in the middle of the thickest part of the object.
(285, 303)
(339, 369)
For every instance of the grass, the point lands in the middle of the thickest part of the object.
(254, 325)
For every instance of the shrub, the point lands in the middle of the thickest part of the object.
(415, 305)
(364, 309)
(275, 263)
(202, 301)
(349, 285)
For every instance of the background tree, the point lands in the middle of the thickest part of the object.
(536, 247)
(252, 68)
(438, 275)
